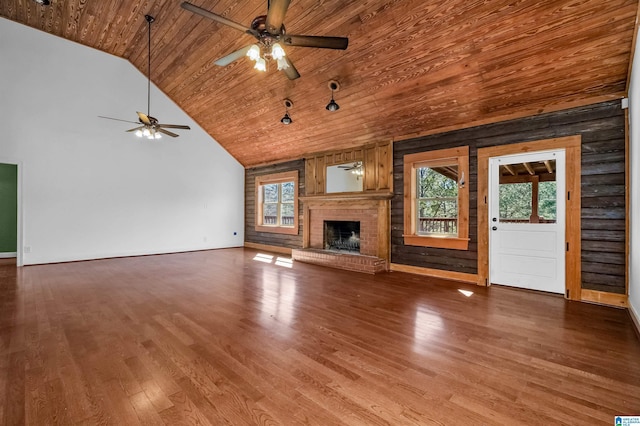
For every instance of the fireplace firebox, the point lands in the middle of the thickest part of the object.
(341, 235)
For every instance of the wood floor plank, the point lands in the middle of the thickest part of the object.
(216, 337)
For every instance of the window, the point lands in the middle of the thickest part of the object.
(277, 203)
(436, 199)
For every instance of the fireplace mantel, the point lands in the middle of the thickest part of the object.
(346, 196)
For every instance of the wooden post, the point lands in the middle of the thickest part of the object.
(534, 218)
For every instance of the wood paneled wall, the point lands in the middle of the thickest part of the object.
(603, 233)
(376, 159)
(269, 238)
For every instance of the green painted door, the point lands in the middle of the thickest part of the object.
(8, 208)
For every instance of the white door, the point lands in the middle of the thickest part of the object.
(527, 220)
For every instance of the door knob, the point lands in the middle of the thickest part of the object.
(495, 228)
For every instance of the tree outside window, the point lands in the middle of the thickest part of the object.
(277, 208)
(437, 202)
(436, 206)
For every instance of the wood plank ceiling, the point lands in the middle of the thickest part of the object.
(412, 66)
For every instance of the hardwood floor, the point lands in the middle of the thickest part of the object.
(233, 337)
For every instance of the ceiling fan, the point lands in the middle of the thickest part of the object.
(270, 32)
(354, 166)
(150, 127)
(355, 169)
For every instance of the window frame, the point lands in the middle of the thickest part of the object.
(276, 178)
(412, 162)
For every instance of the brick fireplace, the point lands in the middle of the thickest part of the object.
(370, 211)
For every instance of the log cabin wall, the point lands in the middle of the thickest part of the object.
(268, 238)
(603, 234)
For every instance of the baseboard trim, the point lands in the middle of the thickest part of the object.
(635, 319)
(604, 298)
(8, 254)
(436, 273)
(265, 247)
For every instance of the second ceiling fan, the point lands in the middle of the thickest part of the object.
(270, 32)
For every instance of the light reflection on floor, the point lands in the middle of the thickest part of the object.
(278, 298)
(286, 262)
(467, 293)
(427, 324)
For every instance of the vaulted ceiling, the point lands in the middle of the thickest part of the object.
(412, 66)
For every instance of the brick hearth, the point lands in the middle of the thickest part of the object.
(348, 261)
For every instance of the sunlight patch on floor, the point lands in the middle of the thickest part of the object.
(286, 262)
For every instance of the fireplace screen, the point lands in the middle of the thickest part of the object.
(342, 235)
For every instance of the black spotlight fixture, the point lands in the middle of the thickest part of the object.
(332, 105)
(286, 119)
(43, 2)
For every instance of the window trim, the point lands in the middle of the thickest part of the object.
(434, 158)
(270, 179)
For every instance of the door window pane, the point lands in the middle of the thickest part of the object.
(515, 202)
(547, 202)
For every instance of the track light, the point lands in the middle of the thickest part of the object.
(286, 120)
(43, 2)
(332, 105)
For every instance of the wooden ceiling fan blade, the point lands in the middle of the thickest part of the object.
(215, 17)
(117, 119)
(174, 126)
(275, 15)
(143, 118)
(226, 60)
(168, 133)
(322, 42)
(135, 128)
(291, 72)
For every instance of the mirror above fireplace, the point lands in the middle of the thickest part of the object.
(345, 177)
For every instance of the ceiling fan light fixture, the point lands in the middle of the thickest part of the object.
(277, 52)
(261, 64)
(138, 133)
(282, 64)
(157, 135)
(254, 52)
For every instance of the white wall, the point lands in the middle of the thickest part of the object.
(90, 190)
(634, 111)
